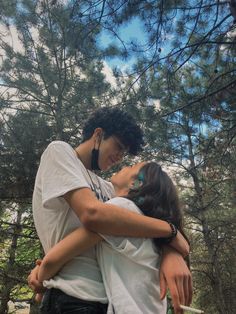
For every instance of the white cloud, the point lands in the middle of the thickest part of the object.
(10, 36)
(107, 71)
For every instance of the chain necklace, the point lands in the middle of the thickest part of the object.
(95, 187)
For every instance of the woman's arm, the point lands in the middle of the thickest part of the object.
(72, 245)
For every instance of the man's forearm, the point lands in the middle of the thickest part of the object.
(118, 221)
(112, 220)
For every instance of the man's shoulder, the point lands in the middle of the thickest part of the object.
(58, 144)
(58, 147)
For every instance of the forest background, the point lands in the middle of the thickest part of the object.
(171, 64)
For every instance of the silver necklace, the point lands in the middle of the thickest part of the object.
(95, 187)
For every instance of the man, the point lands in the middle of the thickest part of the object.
(66, 194)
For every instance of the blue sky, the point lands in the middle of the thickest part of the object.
(129, 31)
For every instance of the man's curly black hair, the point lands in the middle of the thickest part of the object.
(116, 122)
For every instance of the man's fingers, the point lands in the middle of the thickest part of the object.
(181, 291)
(190, 290)
(38, 262)
(35, 285)
(38, 297)
(186, 291)
(163, 286)
(33, 282)
(175, 299)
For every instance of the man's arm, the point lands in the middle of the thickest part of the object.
(113, 220)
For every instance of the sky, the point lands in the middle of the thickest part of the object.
(129, 31)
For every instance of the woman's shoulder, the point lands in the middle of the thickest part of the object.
(124, 203)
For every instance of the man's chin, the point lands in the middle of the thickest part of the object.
(107, 166)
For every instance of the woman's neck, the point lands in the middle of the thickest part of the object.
(121, 191)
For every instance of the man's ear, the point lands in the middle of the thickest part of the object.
(98, 133)
(97, 136)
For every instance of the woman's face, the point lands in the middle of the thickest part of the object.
(126, 176)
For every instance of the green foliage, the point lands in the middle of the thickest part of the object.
(200, 140)
(181, 88)
(50, 80)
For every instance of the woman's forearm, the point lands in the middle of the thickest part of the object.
(72, 245)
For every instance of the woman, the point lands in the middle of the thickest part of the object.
(129, 266)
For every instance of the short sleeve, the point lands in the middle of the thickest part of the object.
(61, 172)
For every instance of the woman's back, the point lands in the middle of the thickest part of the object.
(130, 270)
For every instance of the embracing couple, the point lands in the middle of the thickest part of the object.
(110, 247)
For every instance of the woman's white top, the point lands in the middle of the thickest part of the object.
(130, 271)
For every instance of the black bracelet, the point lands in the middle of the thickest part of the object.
(174, 231)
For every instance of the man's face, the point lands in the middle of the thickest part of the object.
(111, 152)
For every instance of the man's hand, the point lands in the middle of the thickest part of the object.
(35, 284)
(180, 244)
(175, 275)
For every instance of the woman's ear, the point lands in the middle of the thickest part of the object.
(136, 183)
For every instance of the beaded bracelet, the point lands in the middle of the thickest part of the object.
(174, 231)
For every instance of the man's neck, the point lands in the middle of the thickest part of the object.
(83, 152)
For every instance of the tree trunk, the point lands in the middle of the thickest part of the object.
(216, 285)
(5, 294)
(7, 283)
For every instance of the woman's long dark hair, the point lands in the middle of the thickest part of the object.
(157, 197)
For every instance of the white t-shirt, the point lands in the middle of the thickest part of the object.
(60, 171)
(130, 270)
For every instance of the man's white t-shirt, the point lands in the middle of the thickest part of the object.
(61, 171)
(130, 270)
